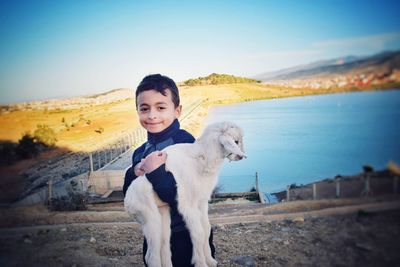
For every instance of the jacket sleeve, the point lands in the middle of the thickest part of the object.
(164, 184)
(130, 173)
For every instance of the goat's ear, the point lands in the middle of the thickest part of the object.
(229, 144)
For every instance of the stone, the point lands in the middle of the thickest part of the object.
(244, 261)
(277, 239)
(298, 219)
(285, 229)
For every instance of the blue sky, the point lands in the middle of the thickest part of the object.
(60, 48)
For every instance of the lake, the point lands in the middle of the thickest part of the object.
(305, 139)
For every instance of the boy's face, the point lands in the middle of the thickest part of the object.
(156, 111)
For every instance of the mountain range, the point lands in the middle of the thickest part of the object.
(384, 63)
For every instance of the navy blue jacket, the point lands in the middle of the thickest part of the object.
(163, 182)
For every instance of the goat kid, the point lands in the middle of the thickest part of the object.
(195, 168)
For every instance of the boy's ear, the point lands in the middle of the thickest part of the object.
(178, 111)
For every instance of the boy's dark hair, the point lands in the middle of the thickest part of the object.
(159, 83)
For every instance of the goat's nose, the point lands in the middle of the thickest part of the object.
(240, 157)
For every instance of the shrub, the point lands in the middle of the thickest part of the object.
(253, 189)
(368, 168)
(26, 147)
(45, 135)
(74, 201)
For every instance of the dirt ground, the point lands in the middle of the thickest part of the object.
(363, 232)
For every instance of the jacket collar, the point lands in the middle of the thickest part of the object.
(170, 131)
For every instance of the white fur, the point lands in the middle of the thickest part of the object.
(195, 168)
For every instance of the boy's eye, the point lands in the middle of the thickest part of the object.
(143, 109)
(161, 108)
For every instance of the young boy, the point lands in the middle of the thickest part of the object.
(158, 107)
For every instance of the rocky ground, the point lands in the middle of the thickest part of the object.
(358, 237)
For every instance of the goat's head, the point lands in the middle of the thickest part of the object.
(230, 137)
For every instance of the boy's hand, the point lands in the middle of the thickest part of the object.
(153, 161)
(138, 169)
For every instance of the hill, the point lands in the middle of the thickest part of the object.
(111, 96)
(383, 63)
(214, 79)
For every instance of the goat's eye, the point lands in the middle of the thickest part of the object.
(237, 142)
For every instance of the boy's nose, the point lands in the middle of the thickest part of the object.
(152, 115)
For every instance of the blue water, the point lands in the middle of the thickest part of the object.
(305, 139)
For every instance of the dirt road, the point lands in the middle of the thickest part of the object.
(288, 234)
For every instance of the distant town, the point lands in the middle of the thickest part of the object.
(348, 80)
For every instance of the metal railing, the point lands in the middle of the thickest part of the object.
(130, 141)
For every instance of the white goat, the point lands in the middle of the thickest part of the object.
(195, 168)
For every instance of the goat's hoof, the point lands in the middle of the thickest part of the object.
(199, 263)
(212, 262)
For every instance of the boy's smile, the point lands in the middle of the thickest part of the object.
(156, 111)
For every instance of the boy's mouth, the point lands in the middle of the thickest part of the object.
(153, 123)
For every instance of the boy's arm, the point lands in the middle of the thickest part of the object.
(163, 182)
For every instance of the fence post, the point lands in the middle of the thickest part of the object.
(314, 187)
(126, 142)
(135, 138)
(288, 193)
(110, 154)
(98, 159)
(260, 194)
(257, 188)
(130, 140)
(395, 184)
(120, 147)
(367, 191)
(105, 156)
(338, 188)
(91, 161)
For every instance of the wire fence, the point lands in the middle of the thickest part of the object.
(102, 157)
(367, 185)
(364, 185)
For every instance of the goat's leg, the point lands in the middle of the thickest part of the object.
(205, 222)
(193, 223)
(153, 237)
(151, 227)
(166, 236)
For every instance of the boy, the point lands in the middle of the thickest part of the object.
(158, 107)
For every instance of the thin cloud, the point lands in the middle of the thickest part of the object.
(286, 54)
(375, 42)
